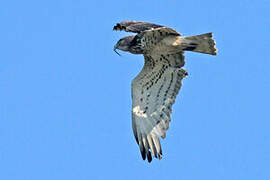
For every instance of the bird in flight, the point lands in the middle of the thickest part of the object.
(155, 88)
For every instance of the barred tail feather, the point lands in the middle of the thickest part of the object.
(202, 43)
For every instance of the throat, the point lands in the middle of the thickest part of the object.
(136, 49)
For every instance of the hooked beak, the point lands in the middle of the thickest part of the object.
(115, 47)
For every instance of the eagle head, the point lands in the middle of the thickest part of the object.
(124, 44)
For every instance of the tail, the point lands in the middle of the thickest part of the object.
(202, 43)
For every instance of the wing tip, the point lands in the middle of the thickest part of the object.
(149, 157)
(154, 149)
(122, 25)
(118, 27)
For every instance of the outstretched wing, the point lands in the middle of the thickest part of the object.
(153, 93)
(135, 26)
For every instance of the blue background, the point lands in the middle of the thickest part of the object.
(65, 98)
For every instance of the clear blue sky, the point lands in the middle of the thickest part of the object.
(65, 97)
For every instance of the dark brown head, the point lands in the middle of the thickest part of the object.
(124, 44)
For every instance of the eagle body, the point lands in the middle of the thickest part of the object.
(155, 89)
